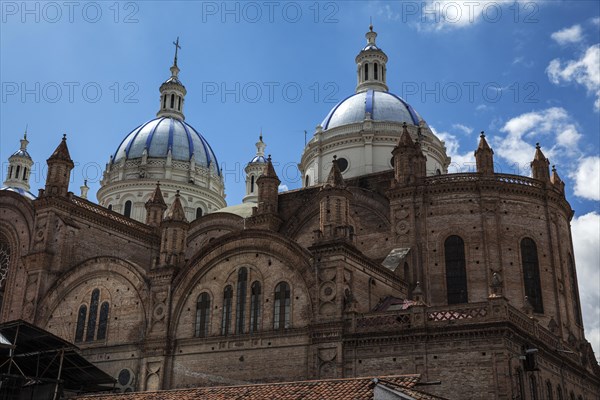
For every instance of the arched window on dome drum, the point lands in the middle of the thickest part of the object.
(198, 212)
(202, 315)
(91, 326)
(18, 172)
(549, 390)
(226, 320)
(366, 71)
(307, 181)
(456, 274)
(281, 314)
(574, 290)
(178, 103)
(80, 323)
(127, 211)
(165, 101)
(533, 387)
(103, 321)
(240, 309)
(172, 101)
(252, 184)
(376, 70)
(110, 207)
(255, 302)
(531, 274)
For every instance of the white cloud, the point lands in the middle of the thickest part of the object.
(525, 129)
(587, 178)
(596, 21)
(460, 162)
(584, 71)
(463, 128)
(568, 35)
(586, 244)
(283, 188)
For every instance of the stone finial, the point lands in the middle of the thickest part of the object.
(176, 212)
(335, 178)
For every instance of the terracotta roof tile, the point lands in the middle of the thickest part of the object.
(331, 389)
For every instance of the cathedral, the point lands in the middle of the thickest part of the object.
(383, 263)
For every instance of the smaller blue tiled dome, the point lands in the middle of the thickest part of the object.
(21, 153)
(22, 192)
(159, 135)
(259, 159)
(381, 106)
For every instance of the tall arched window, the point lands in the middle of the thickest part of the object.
(456, 273)
(375, 70)
(18, 172)
(178, 103)
(240, 308)
(226, 319)
(172, 101)
(91, 326)
(307, 182)
(531, 274)
(252, 184)
(366, 72)
(281, 314)
(103, 321)
(165, 101)
(10, 171)
(574, 290)
(559, 393)
(549, 390)
(198, 212)
(25, 173)
(202, 315)
(4, 264)
(255, 302)
(127, 211)
(80, 323)
(110, 207)
(533, 387)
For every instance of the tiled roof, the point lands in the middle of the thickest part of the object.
(330, 389)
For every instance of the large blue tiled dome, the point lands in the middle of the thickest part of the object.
(163, 133)
(381, 106)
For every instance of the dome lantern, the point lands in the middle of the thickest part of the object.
(371, 65)
(172, 92)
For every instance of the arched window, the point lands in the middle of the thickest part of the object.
(240, 308)
(252, 184)
(4, 264)
(226, 320)
(80, 323)
(574, 290)
(198, 212)
(366, 72)
(25, 173)
(103, 321)
(91, 326)
(18, 172)
(202, 315)
(127, 211)
(165, 101)
(376, 70)
(456, 274)
(172, 101)
(110, 207)
(531, 274)
(549, 390)
(255, 303)
(559, 393)
(307, 182)
(533, 387)
(281, 314)
(520, 384)
(178, 103)
(10, 171)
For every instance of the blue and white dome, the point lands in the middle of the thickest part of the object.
(25, 193)
(162, 134)
(371, 104)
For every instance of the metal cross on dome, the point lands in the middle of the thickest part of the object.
(177, 47)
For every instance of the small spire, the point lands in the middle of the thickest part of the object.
(25, 134)
(335, 178)
(176, 212)
(539, 156)
(483, 144)
(405, 139)
(62, 151)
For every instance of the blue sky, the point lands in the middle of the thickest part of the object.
(524, 72)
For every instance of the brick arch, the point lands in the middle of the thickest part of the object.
(110, 268)
(248, 242)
